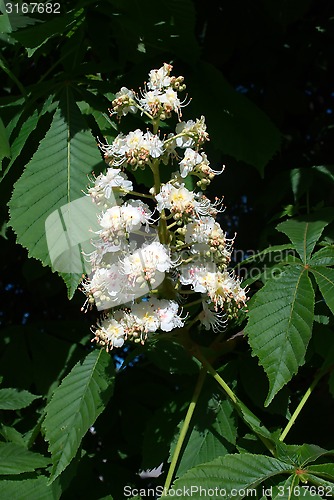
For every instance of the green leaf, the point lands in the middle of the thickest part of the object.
(213, 435)
(325, 281)
(305, 232)
(18, 20)
(301, 180)
(4, 142)
(37, 35)
(229, 476)
(17, 145)
(13, 399)
(323, 257)
(10, 434)
(15, 459)
(291, 489)
(280, 325)
(5, 26)
(36, 489)
(52, 180)
(300, 455)
(254, 422)
(326, 171)
(325, 471)
(75, 406)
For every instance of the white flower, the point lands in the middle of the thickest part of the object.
(136, 148)
(184, 203)
(191, 133)
(212, 319)
(145, 315)
(105, 286)
(118, 221)
(190, 160)
(153, 314)
(104, 185)
(145, 264)
(171, 101)
(134, 140)
(154, 145)
(220, 287)
(124, 102)
(159, 78)
(169, 319)
(206, 235)
(177, 199)
(151, 102)
(112, 333)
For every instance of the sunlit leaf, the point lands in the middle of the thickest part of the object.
(280, 325)
(75, 405)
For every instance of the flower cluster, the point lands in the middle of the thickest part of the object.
(152, 256)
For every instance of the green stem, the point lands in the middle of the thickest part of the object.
(235, 400)
(135, 193)
(163, 231)
(184, 429)
(181, 134)
(301, 404)
(134, 103)
(220, 381)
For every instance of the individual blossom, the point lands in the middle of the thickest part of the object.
(105, 285)
(183, 203)
(117, 220)
(136, 148)
(212, 319)
(113, 181)
(190, 160)
(168, 315)
(159, 79)
(154, 314)
(124, 102)
(109, 334)
(206, 236)
(191, 133)
(147, 264)
(161, 103)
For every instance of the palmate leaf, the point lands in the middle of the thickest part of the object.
(305, 232)
(231, 474)
(53, 178)
(324, 277)
(280, 324)
(75, 405)
(15, 459)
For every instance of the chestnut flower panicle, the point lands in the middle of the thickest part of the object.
(152, 255)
